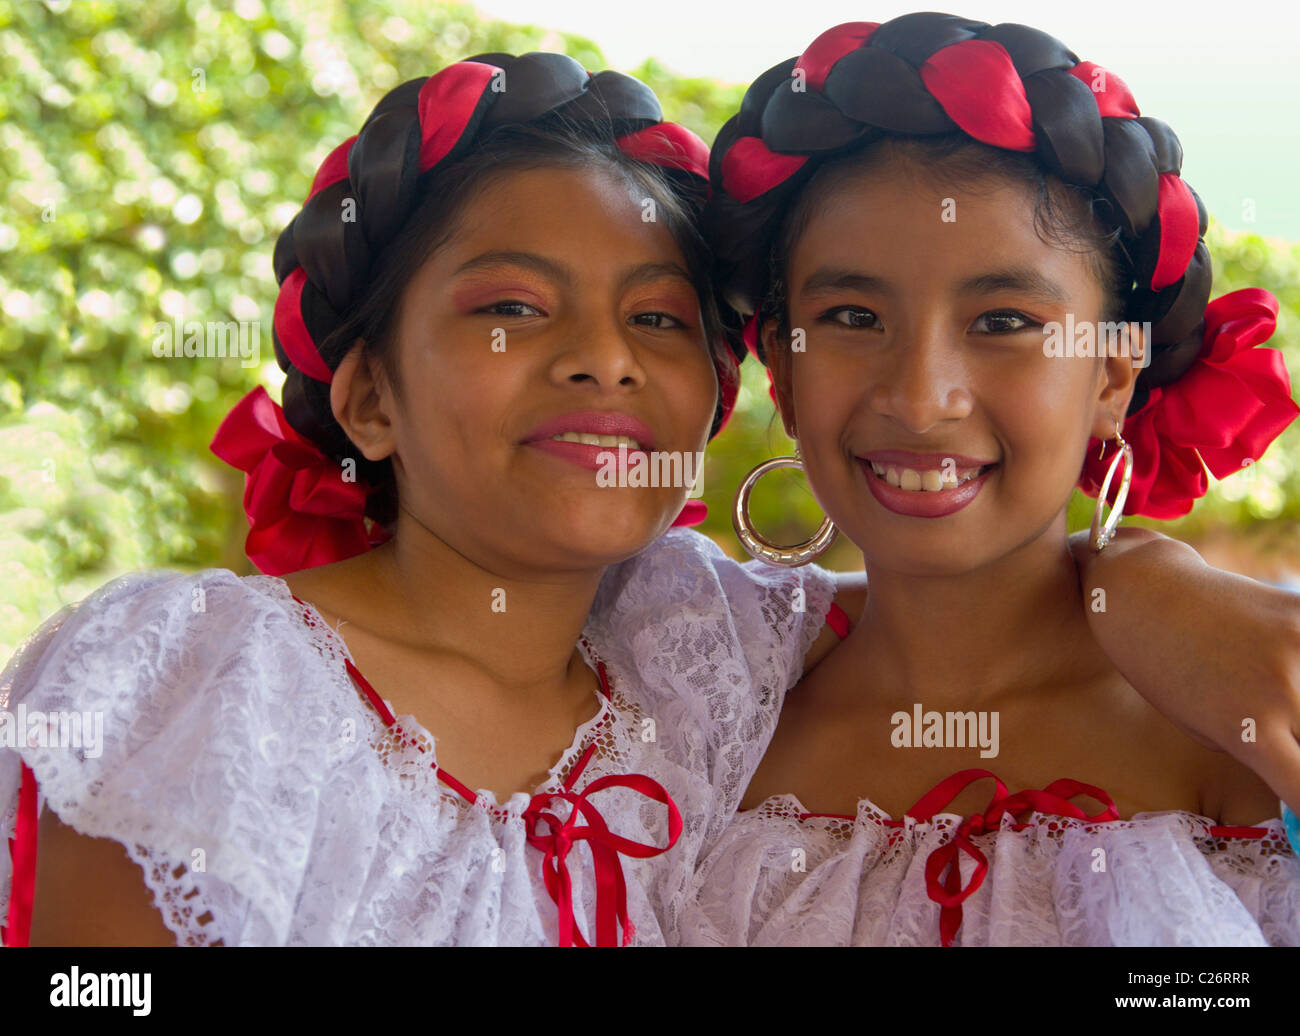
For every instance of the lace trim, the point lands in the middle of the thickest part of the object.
(180, 903)
(408, 733)
(784, 808)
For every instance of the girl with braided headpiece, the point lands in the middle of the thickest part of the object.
(904, 216)
(499, 278)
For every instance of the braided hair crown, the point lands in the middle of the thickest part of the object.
(1009, 86)
(366, 188)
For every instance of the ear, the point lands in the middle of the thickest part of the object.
(779, 363)
(1118, 379)
(362, 403)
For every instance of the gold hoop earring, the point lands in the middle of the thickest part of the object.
(1103, 534)
(765, 550)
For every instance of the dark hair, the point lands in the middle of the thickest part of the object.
(444, 192)
(1066, 215)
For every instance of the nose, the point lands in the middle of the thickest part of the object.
(924, 381)
(598, 351)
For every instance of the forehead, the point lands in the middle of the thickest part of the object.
(578, 209)
(896, 204)
(895, 213)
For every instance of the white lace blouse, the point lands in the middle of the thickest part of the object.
(271, 799)
(1033, 869)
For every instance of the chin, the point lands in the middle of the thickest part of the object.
(607, 534)
(945, 546)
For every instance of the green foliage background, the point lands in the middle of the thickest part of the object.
(151, 153)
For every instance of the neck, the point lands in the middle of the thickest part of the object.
(517, 627)
(1014, 624)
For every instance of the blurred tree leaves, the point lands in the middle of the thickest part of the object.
(151, 153)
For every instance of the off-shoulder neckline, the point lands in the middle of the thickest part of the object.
(517, 802)
(869, 812)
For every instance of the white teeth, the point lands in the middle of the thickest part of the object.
(927, 480)
(588, 439)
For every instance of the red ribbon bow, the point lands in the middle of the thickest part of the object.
(303, 512)
(611, 888)
(947, 889)
(1225, 410)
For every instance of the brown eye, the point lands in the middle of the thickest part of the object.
(511, 308)
(1005, 321)
(852, 316)
(658, 320)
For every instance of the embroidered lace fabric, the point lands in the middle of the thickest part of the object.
(268, 804)
(780, 877)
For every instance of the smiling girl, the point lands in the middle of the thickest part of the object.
(503, 261)
(937, 195)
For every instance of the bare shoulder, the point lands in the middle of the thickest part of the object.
(90, 893)
(851, 596)
(1135, 545)
(307, 585)
(340, 590)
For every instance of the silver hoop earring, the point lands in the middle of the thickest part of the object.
(765, 550)
(1103, 534)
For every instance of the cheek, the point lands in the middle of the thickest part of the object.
(690, 391)
(1043, 411)
(823, 394)
(453, 396)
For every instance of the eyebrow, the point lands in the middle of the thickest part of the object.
(639, 274)
(528, 260)
(1022, 279)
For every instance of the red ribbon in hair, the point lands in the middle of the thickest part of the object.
(303, 512)
(1225, 410)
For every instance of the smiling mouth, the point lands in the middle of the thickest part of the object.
(590, 439)
(926, 480)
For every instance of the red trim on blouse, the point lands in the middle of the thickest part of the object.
(838, 620)
(942, 867)
(22, 854)
(560, 837)
(444, 775)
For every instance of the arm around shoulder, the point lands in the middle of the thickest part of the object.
(1216, 652)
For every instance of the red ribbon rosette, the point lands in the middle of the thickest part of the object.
(1226, 409)
(302, 511)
